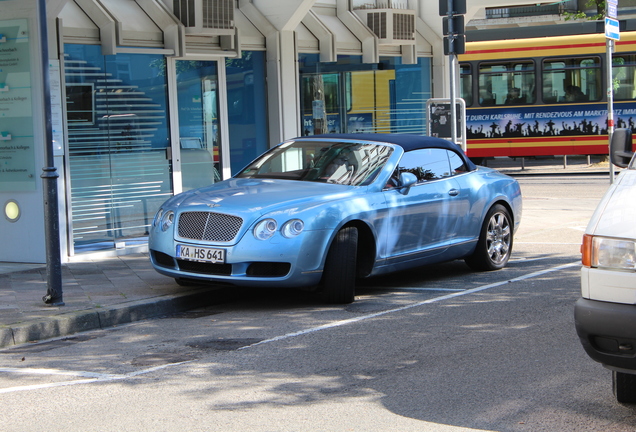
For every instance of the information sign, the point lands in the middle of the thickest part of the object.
(612, 29)
(17, 150)
(612, 9)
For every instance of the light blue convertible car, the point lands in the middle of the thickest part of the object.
(325, 210)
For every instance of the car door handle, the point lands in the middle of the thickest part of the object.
(453, 192)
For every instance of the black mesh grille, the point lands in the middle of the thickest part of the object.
(209, 226)
(162, 259)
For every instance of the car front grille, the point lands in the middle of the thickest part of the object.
(209, 226)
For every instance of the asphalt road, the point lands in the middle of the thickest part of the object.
(433, 349)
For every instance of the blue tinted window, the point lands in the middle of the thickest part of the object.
(247, 108)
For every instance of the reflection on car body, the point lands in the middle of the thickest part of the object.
(322, 211)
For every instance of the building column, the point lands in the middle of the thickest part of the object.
(282, 86)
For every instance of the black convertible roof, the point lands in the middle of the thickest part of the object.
(407, 142)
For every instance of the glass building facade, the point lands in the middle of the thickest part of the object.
(349, 96)
(120, 148)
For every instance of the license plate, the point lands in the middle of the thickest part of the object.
(193, 253)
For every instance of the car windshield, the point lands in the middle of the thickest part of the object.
(346, 163)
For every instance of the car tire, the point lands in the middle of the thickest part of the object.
(495, 241)
(624, 387)
(339, 274)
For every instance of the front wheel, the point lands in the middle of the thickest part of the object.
(624, 387)
(495, 241)
(339, 274)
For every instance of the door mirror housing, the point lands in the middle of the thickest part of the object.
(621, 150)
(406, 180)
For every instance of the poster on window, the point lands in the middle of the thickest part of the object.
(17, 152)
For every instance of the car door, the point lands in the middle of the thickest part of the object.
(467, 221)
(421, 222)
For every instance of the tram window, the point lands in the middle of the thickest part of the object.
(624, 74)
(466, 83)
(510, 83)
(572, 80)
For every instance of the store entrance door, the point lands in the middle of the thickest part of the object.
(118, 162)
(198, 116)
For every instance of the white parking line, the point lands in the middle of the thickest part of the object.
(34, 371)
(413, 305)
(547, 243)
(94, 377)
(425, 289)
(397, 290)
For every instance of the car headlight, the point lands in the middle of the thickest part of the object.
(167, 220)
(157, 218)
(292, 228)
(604, 252)
(265, 229)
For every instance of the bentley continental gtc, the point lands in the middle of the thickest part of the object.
(323, 211)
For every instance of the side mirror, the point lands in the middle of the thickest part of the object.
(406, 180)
(621, 147)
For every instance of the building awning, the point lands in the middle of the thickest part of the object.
(324, 32)
(250, 38)
(122, 25)
(343, 41)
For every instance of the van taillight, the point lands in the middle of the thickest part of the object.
(586, 250)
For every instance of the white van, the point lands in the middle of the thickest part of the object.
(605, 315)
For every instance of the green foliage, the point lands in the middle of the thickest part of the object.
(160, 64)
(599, 5)
(183, 66)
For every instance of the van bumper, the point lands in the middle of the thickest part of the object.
(607, 332)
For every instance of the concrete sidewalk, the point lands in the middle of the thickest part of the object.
(103, 291)
(97, 292)
(551, 165)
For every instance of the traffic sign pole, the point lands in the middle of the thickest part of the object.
(612, 33)
(453, 26)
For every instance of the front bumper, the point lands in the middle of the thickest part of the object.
(276, 263)
(607, 332)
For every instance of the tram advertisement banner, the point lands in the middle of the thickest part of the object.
(540, 126)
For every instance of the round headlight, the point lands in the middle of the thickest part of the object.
(157, 218)
(292, 228)
(167, 220)
(265, 229)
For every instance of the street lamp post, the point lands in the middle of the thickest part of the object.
(54, 295)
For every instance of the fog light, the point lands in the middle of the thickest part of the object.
(12, 211)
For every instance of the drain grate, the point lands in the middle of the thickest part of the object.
(194, 314)
(223, 344)
(157, 359)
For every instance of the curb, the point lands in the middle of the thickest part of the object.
(96, 319)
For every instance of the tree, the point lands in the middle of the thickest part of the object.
(599, 5)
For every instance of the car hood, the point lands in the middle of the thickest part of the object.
(614, 216)
(252, 198)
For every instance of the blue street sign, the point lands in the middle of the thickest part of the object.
(612, 29)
